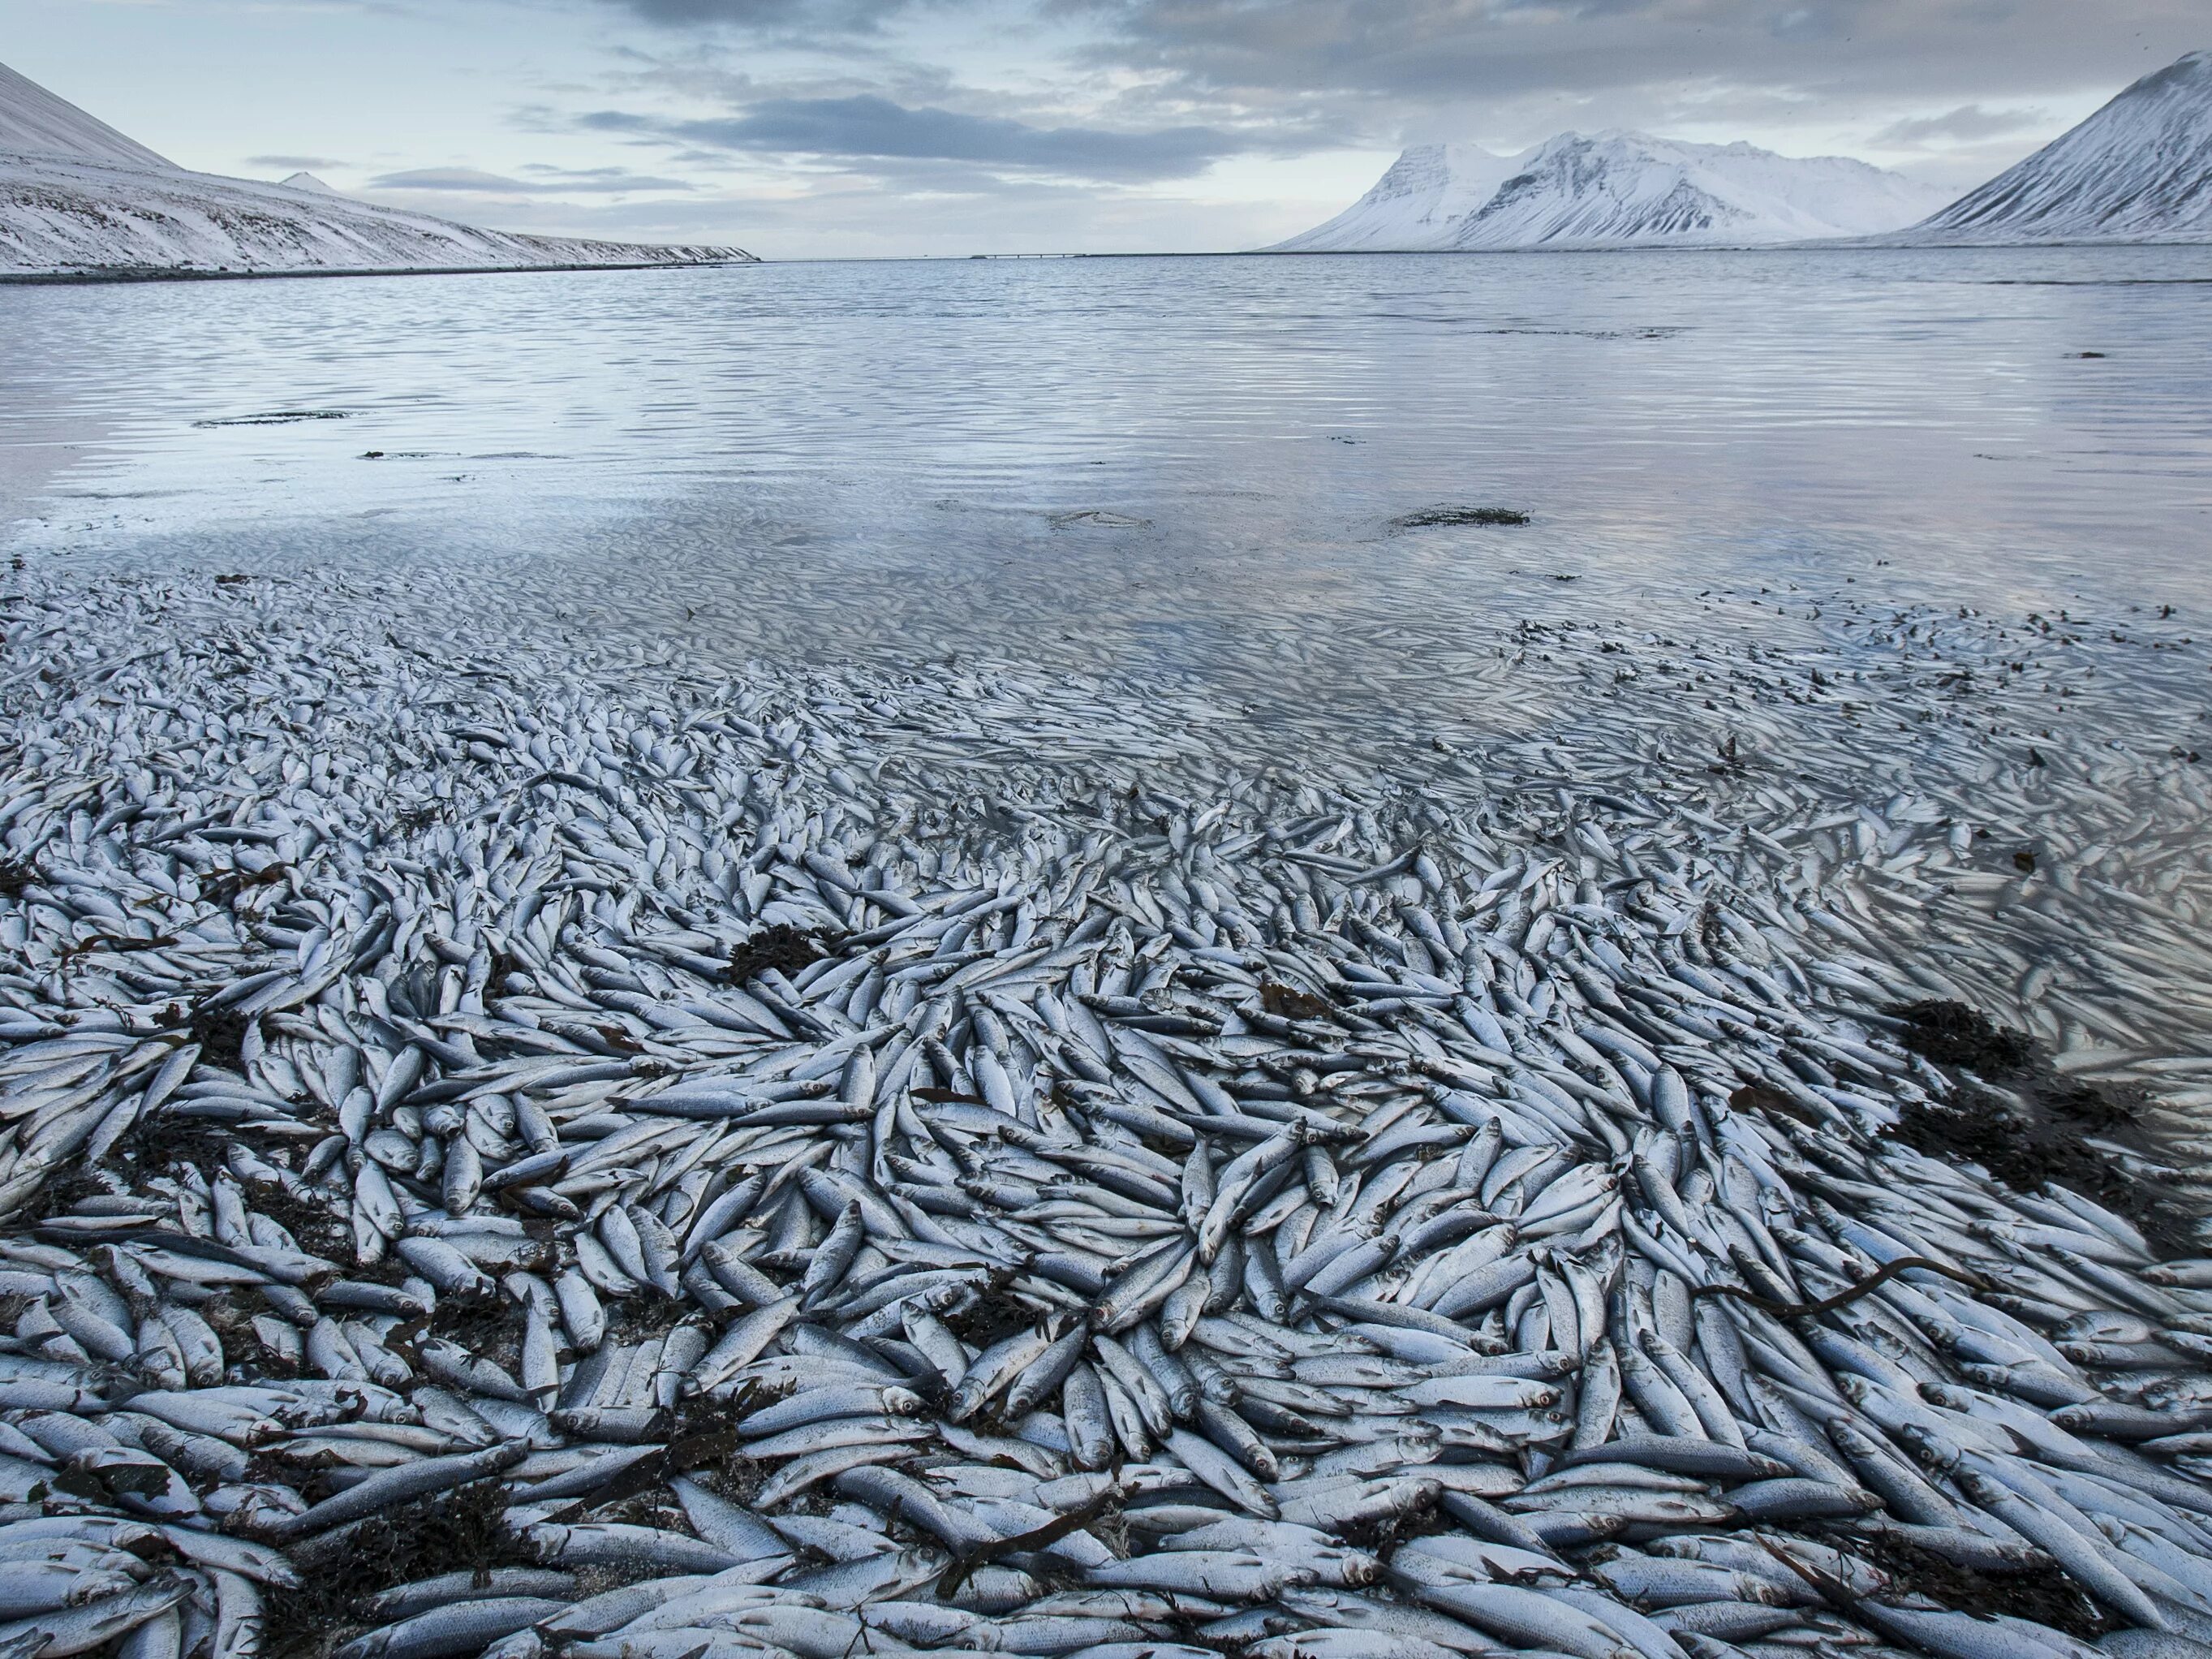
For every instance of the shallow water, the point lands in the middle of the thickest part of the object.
(1673, 421)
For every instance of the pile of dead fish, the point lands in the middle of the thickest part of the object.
(834, 1163)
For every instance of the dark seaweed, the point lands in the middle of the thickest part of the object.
(994, 1315)
(488, 1327)
(2034, 1132)
(1287, 1002)
(783, 947)
(2045, 1597)
(1430, 517)
(61, 1192)
(224, 886)
(319, 1229)
(165, 1139)
(461, 1529)
(221, 1036)
(1952, 1033)
(634, 1319)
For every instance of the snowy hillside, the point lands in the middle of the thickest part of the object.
(1419, 203)
(77, 195)
(33, 122)
(2139, 170)
(1617, 189)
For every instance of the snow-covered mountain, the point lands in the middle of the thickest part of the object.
(77, 197)
(1616, 190)
(33, 122)
(2139, 170)
(1419, 205)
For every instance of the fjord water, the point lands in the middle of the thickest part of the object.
(1182, 471)
(912, 449)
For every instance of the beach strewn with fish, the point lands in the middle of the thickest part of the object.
(1426, 956)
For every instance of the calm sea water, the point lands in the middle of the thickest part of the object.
(1667, 417)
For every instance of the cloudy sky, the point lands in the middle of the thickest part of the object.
(808, 128)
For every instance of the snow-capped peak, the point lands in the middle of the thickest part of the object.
(2140, 169)
(34, 122)
(1617, 189)
(1614, 189)
(1428, 191)
(305, 180)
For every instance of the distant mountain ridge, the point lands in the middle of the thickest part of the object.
(1616, 190)
(77, 197)
(2138, 170)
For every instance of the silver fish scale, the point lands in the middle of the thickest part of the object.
(838, 1160)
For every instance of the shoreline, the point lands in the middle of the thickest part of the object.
(166, 274)
(158, 273)
(630, 1119)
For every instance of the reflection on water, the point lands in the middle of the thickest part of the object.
(1671, 419)
(1177, 467)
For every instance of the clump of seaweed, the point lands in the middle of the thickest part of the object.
(461, 1531)
(781, 946)
(1433, 517)
(1952, 1033)
(2043, 1597)
(1287, 1002)
(221, 1036)
(994, 1315)
(2016, 1116)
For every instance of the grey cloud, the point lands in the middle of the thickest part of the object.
(1376, 64)
(876, 128)
(294, 163)
(1968, 122)
(807, 16)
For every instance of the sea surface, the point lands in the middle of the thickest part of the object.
(1176, 451)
